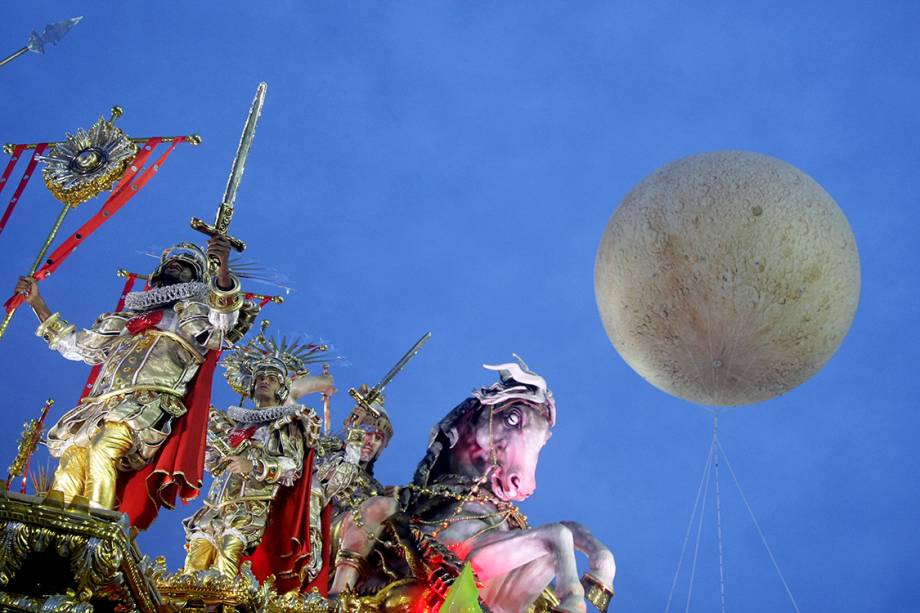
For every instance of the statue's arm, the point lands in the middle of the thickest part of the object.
(89, 345)
(225, 298)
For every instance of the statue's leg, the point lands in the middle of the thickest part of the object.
(111, 444)
(232, 547)
(358, 541)
(202, 553)
(70, 475)
(519, 588)
(501, 553)
(601, 563)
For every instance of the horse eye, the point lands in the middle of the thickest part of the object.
(512, 419)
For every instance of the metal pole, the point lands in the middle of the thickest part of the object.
(12, 57)
(194, 139)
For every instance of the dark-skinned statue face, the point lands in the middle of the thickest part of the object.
(173, 272)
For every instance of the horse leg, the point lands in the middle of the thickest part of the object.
(358, 541)
(499, 555)
(601, 563)
(519, 588)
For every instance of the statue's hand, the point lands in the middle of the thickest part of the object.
(311, 384)
(219, 249)
(239, 465)
(28, 288)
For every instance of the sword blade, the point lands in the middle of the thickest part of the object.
(242, 150)
(377, 389)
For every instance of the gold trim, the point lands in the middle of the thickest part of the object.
(596, 592)
(130, 390)
(54, 329)
(225, 300)
(185, 344)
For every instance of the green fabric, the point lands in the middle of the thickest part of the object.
(463, 596)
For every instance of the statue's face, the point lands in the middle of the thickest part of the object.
(373, 443)
(173, 272)
(266, 389)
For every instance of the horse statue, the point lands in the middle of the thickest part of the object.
(482, 458)
(460, 508)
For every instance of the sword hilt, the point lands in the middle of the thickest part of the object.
(205, 228)
(366, 402)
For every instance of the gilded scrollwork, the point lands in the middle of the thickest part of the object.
(98, 547)
(14, 544)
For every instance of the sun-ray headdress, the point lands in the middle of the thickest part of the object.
(288, 357)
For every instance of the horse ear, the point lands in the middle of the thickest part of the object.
(453, 435)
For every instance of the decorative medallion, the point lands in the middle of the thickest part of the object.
(88, 163)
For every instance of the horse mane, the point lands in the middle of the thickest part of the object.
(433, 464)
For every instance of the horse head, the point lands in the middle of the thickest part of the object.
(496, 435)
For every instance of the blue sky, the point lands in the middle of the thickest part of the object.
(450, 166)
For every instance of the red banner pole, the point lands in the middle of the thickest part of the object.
(26, 176)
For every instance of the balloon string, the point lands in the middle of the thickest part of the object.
(683, 549)
(757, 525)
(699, 530)
(715, 443)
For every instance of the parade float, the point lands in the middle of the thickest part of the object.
(724, 279)
(294, 519)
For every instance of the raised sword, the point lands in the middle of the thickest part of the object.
(221, 225)
(366, 401)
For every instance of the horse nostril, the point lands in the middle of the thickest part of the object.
(515, 482)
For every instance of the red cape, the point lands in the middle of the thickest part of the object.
(178, 467)
(285, 548)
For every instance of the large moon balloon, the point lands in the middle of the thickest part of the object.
(727, 278)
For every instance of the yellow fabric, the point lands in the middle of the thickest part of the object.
(228, 558)
(70, 476)
(112, 443)
(201, 555)
(93, 472)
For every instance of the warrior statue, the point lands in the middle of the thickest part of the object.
(113, 445)
(345, 481)
(262, 460)
(481, 459)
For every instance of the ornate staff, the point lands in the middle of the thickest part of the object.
(31, 434)
(51, 35)
(225, 210)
